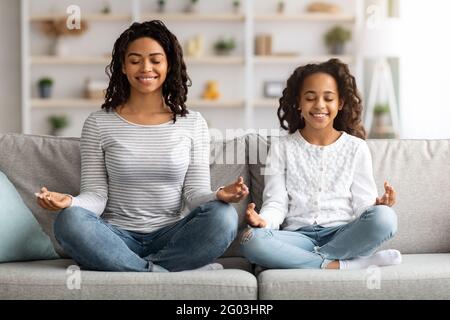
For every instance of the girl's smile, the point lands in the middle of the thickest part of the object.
(319, 116)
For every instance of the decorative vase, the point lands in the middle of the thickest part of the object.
(337, 48)
(382, 120)
(161, 7)
(191, 8)
(45, 91)
(223, 52)
(59, 48)
(281, 7)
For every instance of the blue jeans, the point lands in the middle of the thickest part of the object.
(313, 247)
(198, 239)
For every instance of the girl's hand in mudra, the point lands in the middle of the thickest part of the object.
(234, 192)
(53, 201)
(389, 196)
(253, 218)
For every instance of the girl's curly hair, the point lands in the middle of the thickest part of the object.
(175, 87)
(348, 119)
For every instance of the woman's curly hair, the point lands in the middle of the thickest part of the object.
(348, 119)
(175, 87)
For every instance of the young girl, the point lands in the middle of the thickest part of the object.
(146, 203)
(320, 191)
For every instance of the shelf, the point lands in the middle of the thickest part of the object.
(216, 60)
(88, 103)
(193, 104)
(194, 17)
(322, 17)
(299, 59)
(70, 60)
(48, 60)
(66, 103)
(266, 103)
(86, 17)
(242, 65)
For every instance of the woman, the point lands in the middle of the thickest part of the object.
(145, 203)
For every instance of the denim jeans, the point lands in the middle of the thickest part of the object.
(197, 239)
(313, 247)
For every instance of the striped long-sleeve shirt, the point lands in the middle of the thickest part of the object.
(143, 177)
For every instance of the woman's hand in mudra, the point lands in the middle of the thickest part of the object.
(53, 201)
(234, 192)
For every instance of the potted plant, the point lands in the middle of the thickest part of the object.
(106, 9)
(336, 38)
(280, 6)
(236, 6)
(161, 6)
(57, 123)
(381, 113)
(45, 87)
(224, 46)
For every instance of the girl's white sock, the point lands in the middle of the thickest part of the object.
(381, 258)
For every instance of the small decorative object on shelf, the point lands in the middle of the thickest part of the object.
(192, 6)
(57, 123)
(224, 46)
(323, 7)
(236, 6)
(211, 90)
(161, 6)
(57, 28)
(336, 38)
(95, 89)
(273, 89)
(382, 127)
(106, 9)
(195, 46)
(45, 87)
(281, 6)
(263, 45)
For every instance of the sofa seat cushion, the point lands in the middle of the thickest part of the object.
(420, 276)
(51, 279)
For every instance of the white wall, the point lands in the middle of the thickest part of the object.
(10, 66)
(425, 69)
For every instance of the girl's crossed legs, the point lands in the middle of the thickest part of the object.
(315, 246)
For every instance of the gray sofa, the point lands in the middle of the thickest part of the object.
(419, 170)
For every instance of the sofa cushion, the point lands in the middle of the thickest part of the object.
(258, 147)
(21, 236)
(228, 162)
(34, 161)
(420, 276)
(419, 171)
(53, 279)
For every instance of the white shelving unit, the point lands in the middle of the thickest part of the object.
(242, 103)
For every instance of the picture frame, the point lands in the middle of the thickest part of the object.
(273, 89)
